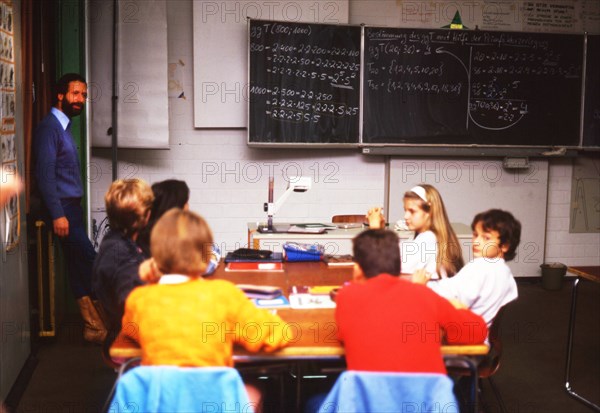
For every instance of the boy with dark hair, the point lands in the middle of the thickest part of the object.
(389, 324)
(486, 283)
(373, 252)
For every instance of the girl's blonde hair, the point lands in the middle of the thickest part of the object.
(449, 256)
(181, 243)
(128, 203)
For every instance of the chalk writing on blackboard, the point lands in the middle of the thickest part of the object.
(434, 86)
(305, 81)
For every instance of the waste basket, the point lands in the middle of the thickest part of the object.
(553, 274)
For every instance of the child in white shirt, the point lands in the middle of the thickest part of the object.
(486, 283)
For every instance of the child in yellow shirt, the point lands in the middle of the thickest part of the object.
(186, 320)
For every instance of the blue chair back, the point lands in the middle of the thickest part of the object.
(361, 391)
(168, 389)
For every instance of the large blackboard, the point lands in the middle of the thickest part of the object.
(591, 113)
(471, 87)
(304, 83)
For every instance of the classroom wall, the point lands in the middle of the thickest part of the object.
(228, 180)
(15, 326)
(561, 245)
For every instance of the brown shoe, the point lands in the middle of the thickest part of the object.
(93, 326)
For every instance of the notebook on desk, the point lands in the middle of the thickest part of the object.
(254, 266)
(302, 228)
(310, 228)
(304, 297)
(272, 257)
(275, 229)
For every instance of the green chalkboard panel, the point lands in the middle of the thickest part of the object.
(304, 83)
(454, 87)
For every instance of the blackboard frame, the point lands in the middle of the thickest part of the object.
(428, 148)
(590, 135)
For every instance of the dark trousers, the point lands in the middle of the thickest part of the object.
(78, 250)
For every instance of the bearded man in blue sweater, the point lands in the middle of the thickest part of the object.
(58, 175)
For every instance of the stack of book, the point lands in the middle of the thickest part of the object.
(259, 261)
(264, 295)
(338, 260)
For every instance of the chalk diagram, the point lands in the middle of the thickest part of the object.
(489, 105)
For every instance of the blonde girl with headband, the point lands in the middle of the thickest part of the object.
(435, 247)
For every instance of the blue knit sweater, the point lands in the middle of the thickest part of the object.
(57, 167)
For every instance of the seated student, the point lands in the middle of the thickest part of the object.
(388, 324)
(435, 246)
(187, 320)
(168, 194)
(486, 283)
(115, 270)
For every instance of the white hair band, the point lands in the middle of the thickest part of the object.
(419, 190)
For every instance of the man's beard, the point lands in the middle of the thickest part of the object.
(72, 109)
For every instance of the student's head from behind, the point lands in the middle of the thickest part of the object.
(168, 194)
(181, 243)
(496, 234)
(70, 94)
(128, 203)
(375, 251)
(424, 208)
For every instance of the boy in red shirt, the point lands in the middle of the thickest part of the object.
(389, 324)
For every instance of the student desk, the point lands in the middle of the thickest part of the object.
(590, 273)
(336, 241)
(314, 331)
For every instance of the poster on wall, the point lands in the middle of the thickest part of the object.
(8, 150)
(545, 16)
(585, 196)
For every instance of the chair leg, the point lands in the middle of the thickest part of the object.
(497, 395)
(124, 367)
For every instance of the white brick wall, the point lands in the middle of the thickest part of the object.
(561, 245)
(221, 170)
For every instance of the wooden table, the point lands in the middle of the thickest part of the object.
(590, 273)
(315, 330)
